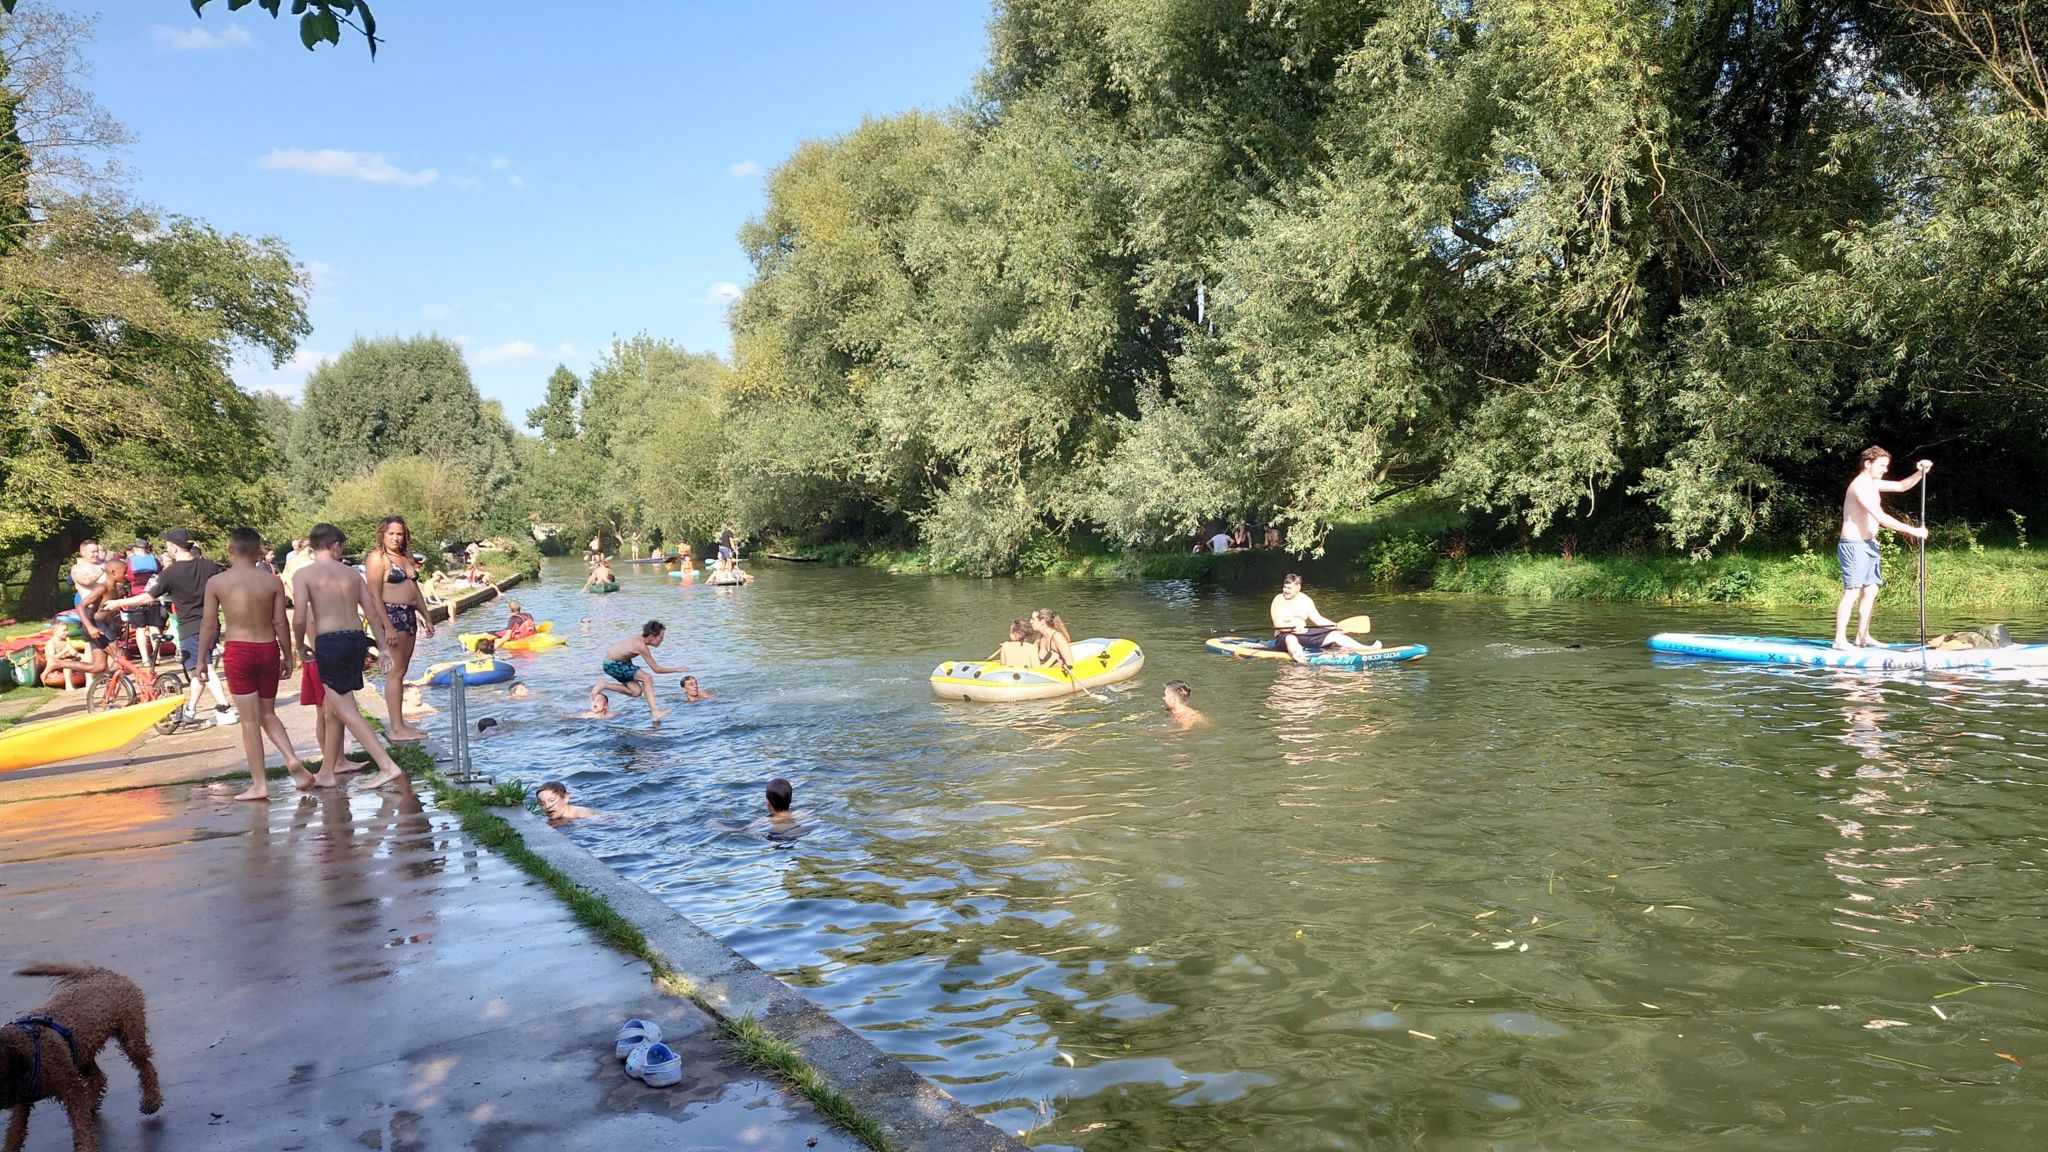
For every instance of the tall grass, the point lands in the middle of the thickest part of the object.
(1984, 578)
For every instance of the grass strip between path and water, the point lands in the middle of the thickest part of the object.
(754, 1044)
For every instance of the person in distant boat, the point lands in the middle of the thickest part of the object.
(633, 680)
(600, 573)
(553, 798)
(1055, 646)
(1862, 514)
(1302, 630)
(1019, 651)
(1176, 700)
(693, 691)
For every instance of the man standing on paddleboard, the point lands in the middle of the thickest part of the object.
(1862, 513)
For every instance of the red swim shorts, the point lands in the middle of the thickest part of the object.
(252, 668)
(311, 691)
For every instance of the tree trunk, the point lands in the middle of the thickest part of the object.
(42, 599)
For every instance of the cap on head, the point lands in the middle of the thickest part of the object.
(178, 536)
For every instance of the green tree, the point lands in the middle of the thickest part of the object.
(117, 328)
(437, 498)
(390, 398)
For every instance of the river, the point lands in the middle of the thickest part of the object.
(1538, 890)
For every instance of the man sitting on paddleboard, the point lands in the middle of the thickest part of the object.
(1862, 513)
(1300, 629)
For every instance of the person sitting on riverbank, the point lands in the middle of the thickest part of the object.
(631, 679)
(1177, 706)
(1272, 537)
(553, 798)
(600, 573)
(692, 691)
(1301, 630)
(1055, 645)
(1019, 651)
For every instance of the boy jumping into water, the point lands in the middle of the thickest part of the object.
(1862, 513)
(335, 599)
(633, 680)
(253, 659)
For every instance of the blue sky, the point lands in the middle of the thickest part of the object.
(529, 177)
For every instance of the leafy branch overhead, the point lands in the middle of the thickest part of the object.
(319, 20)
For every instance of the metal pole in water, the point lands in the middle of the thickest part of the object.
(1923, 573)
(458, 720)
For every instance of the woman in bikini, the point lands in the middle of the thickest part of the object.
(395, 588)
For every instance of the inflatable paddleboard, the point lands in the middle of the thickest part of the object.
(1823, 654)
(473, 672)
(1096, 662)
(1258, 648)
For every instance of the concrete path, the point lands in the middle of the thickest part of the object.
(328, 972)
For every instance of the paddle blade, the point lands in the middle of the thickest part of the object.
(1356, 625)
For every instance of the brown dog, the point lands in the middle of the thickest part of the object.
(54, 1052)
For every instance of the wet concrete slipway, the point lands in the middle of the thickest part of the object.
(327, 971)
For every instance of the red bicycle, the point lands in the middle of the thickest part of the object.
(129, 683)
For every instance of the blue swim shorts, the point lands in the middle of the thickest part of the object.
(1860, 563)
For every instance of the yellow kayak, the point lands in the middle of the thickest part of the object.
(41, 742)
(1096, 662)
(540, 641)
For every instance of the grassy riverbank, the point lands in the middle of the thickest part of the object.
(1422, 549)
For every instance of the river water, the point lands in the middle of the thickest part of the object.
(1538, 890)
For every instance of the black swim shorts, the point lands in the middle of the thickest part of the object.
(339, 658)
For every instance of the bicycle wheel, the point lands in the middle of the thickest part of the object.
(117, 691)
(170, 684)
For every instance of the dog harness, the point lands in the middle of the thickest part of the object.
(34, 1025)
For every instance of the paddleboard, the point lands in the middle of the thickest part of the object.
(1823, 654)
(1257, 648)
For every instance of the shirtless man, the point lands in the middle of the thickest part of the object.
(633, 680)
(1300, 629)
(1862, 513)
(253, 659)
(693, 691)
(1177, 707)
(335, 599)
(89, 582)
(600, 573)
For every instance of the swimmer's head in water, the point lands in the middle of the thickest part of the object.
(412, 693)
(690, 687)
(1177, 692)
(600, 705)
(552, 796)
(653, 631)
(486, 724)
(781, 794)
(520, 692)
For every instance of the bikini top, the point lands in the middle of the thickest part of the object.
(396, 575)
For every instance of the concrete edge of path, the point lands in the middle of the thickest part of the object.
(915, 1112)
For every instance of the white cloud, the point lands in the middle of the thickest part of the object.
(567, 351)
(500, 163)
(256, 373)
(745, 170)
(516, 181)
(511, 350)
(725, 290)
(369, 167)
(438, 311)
(200, 39)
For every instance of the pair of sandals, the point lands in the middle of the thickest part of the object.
(647, 1059)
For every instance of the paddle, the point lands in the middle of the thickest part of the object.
(1923, 573)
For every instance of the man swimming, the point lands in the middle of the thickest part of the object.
(553, 798)
(1176, 700)
(693, 691)
(633, 680)
(1862, 513)
(1300, 629)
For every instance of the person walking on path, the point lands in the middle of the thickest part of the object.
(254, 658)
(1862, 513)
(395, 589)
(333, 601)
(184, 581)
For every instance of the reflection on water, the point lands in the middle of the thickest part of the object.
(1537, 890)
